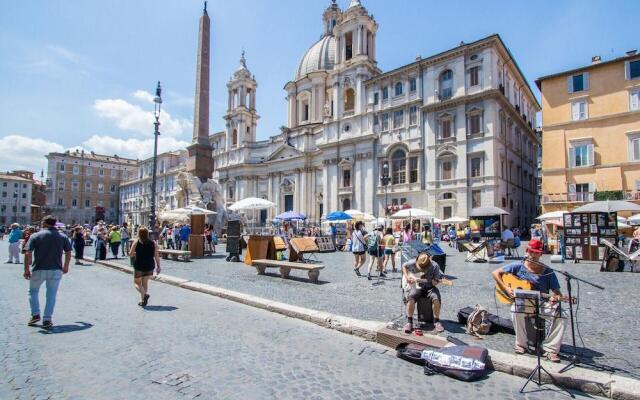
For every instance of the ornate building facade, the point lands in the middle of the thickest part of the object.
(457, 129)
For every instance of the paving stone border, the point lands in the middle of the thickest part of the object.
(580, 379)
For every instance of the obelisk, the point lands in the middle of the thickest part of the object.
(200, 161)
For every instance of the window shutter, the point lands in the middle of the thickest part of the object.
(585, 80)
(575, 111)
(592, 189)
(591, 155)
(627, 70)
(572, 157)
(572, 191)
(635, 101)
(570, 84)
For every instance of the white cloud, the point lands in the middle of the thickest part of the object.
(132, 148)
(131, 117)
(143, 95)
(22, 152)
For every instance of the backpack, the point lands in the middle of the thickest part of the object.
(477, 322)
(372, 241)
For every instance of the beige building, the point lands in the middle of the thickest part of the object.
(83, 187)
(591, 133)
(15, 198)
(135, 191)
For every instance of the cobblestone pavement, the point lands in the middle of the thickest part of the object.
(190, 345)
(607, 319)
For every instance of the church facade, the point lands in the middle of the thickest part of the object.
(456, 130)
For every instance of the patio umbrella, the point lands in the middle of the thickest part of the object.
(291, 216)
(251, 203)
(608, 206)
(359, 215)
(487, 211)
(634, 219)
(551, 215)
(454, 220)
(338, 216)
(412, 213)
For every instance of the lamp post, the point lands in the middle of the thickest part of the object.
(152, 217)
(385, 183)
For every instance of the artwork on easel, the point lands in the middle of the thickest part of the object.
(601, 221)
(593, 241)
(594, 228)
(569, 252)
(601, 250)
(567, 220)
(578, 253)
(594, 218)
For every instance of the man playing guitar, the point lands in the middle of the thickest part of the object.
(430, 276)
(543, 280)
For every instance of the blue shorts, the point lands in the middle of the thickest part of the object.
(388, 251)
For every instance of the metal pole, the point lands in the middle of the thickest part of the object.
(152, 218)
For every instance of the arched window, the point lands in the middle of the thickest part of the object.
(446, 85)
(346, 204)
(247, 100)
(398, 167)
(234, 138)
(349, 100)
(398, 88)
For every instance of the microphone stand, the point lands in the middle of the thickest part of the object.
(575, 360)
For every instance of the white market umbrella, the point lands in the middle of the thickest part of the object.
(455, 220)
(358, 215)
(551, 215)
(622, 220)
(634, 219)
(437, 221)
(412, 213)
(487, 211)
(251, 203)
(608, 206)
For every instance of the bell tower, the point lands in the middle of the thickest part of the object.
(241, 116)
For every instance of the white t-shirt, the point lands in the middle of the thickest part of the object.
(357, 242)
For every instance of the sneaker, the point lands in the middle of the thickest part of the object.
(9, 262)
(369, 276)
(357, 271)
(146, 300)
(47, 324)
(34, 319)
(382, 275)
(408, 328)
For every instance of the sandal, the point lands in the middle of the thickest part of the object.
(519, 350)
(146, 299)
(553, 357)
(357, 271)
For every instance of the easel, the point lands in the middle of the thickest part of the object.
(527, 296)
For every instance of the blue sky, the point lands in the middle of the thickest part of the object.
(78, 73)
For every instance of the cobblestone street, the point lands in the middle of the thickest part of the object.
(606, 318)
(189, 345)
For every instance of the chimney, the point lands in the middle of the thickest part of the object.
(632, 52)
(595, 60)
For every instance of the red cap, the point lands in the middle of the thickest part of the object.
(535, 245)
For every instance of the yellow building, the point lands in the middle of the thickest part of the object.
(591, 133)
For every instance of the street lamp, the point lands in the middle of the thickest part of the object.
(385, 183)
(158, 104)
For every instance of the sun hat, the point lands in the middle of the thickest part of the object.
(535, 245)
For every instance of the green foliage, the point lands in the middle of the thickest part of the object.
(609, 195)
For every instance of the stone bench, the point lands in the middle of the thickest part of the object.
(174, 254)
(313, 270)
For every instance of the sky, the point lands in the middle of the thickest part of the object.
(81, 74)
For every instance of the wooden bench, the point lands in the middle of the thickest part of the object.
(313, 270)
(174, 254)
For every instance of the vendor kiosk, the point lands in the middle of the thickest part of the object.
(584, 234)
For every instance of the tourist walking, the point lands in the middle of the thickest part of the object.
(15, 235)
(374, 248)
(101, 247)
(185, 231)
(170, 237)
(176, 236)
(145, 259)
(125, 235)
(114, 241)
(358, 247)
(78, 244)
(47, 247)
(389, 242)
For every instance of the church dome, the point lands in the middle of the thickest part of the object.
(320, 57)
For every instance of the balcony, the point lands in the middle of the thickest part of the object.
(345, 190)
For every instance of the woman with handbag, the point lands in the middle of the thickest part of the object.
(144, 252)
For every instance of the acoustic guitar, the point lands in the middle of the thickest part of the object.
(513, 283)
(418, 280)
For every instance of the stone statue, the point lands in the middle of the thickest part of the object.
(208, 195)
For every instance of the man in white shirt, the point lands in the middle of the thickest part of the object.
(507, 234)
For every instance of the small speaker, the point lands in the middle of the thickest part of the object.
(233, 228)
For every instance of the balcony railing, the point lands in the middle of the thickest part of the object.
(629, 195)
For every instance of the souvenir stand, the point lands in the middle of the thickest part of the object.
(584, 233)
(486, 223)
